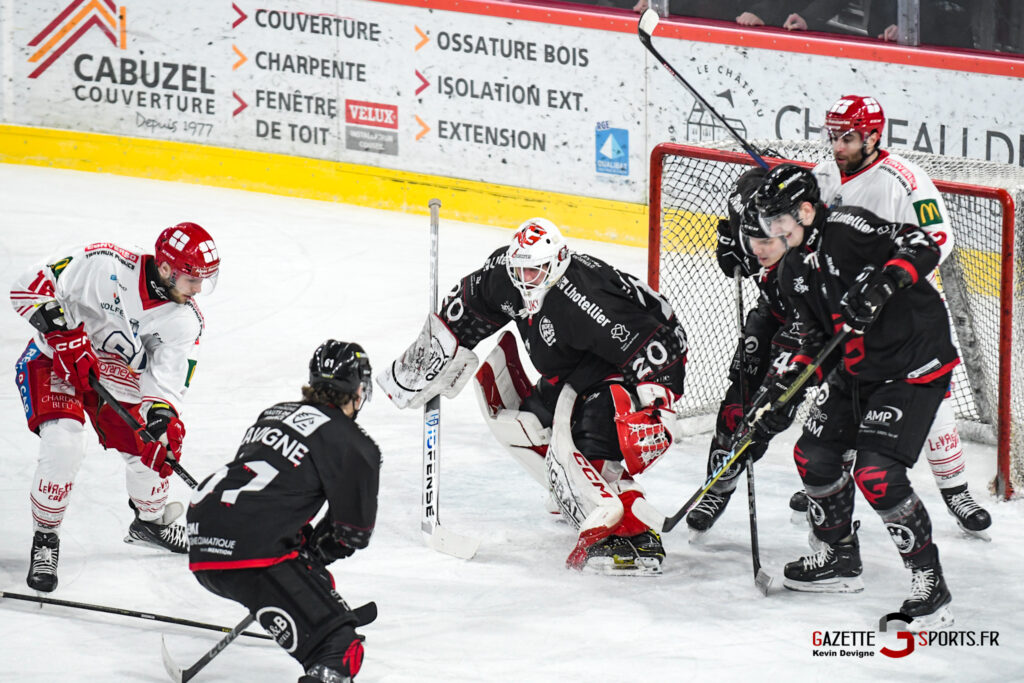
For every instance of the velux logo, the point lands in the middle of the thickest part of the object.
(371, 114)
(72, 23)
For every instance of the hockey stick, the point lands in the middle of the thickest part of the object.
(130, 420)
(365, 614)
(761, 578)
(648, 22)
(126, 613)
(741, 446)
(436, 536)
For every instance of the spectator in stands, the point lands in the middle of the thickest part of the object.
(942, 22)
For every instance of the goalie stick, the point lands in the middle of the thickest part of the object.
(745, 441)
(645, 29)
(437, 537)
(130, 420)
(761, 578)
(365, 614)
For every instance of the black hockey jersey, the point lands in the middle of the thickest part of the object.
(296, 456)
(910, 340)
(596, 322)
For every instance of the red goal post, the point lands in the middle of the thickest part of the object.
(984, 290)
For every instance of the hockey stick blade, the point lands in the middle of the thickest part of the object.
(763, 581)
(365, 614)
(648, 22)
(451, 543)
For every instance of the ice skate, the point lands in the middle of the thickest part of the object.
(834, 568)
(42, 570)
(617, 555)
(160, 533)
(702, 517)
(971, 517)
(929, 599)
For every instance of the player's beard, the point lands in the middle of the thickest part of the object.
(848, 163)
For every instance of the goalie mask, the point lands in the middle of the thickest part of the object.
(536, 260)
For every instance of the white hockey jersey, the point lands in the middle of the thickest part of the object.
(147, 347)
(892, 188)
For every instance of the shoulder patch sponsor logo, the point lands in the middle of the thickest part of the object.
(908, 176)
(547, 331)
(620, 333)
(108, 246)
(58, 267)
(306, 420)
(799, 286)
(927, 211)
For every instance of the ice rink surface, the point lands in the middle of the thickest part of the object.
(296, 272)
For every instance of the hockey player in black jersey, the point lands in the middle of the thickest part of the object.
(741, 245)
(847, 268)
(250, 538)
(611, 355)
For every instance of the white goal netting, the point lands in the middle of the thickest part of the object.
(983, 279)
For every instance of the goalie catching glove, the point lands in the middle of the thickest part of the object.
(434, 364)
(645, 424)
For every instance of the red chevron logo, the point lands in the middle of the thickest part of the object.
(71, 24)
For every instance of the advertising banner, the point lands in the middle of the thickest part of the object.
(423, 88)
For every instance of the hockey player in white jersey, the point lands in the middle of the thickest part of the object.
(862, 174)
(129, 319)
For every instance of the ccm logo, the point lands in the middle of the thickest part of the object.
(371, 114)
(73, 344)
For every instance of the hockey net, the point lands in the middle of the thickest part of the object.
(983, 279)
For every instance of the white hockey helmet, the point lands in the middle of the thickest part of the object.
(537, 257)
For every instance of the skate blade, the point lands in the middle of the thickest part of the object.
(939, 619)
(845, 584)
(697, 536)
(608, 566)
(797, 517)
(980, 533)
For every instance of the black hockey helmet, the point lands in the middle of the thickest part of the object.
(742, 212)
(341, 367)
(784, 189)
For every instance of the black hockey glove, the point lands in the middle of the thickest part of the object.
(770, 418)
(728, 251)
(862, 305)
(324, 546)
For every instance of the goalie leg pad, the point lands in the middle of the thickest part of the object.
(435, 364)
(597, 498)
(500, 386)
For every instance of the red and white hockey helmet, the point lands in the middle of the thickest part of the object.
(854, 113)
(537, 257)
(189, 250)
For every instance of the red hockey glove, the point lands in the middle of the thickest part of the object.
(163, 424)
(73, 357)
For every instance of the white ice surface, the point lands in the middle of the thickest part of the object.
(296, 272)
